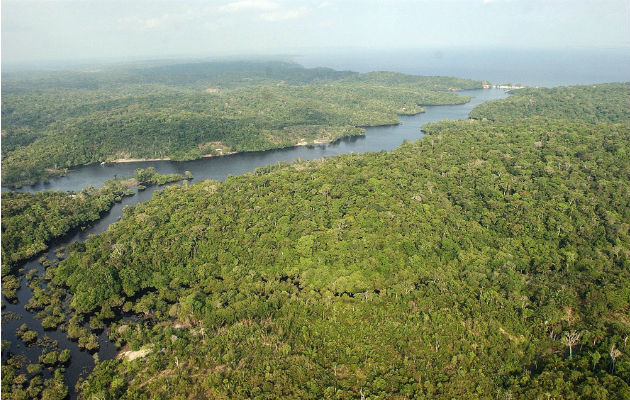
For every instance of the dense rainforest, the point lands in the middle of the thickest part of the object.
(31, 221)
(490, 259)
(186, 111)
(593, 103)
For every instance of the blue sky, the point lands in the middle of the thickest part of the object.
(43, 30)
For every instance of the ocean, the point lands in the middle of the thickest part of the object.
(532, 67)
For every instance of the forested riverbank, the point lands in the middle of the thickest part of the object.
(31, 221)
(487, 259)
(608, 102)
(185, 111)
(218, 168)
(40, 310)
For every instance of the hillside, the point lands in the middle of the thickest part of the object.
(487, 259)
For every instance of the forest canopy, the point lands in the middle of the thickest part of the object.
(489, 259)
(30, 221)
(186, 111)
(604, 102)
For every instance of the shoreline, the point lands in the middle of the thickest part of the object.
(133, 160)
(511, 87)
(108, 349)
(18, 185)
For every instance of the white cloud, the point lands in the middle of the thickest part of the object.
(283, 15)
(265, 10)
(248, 5)
(158, 21)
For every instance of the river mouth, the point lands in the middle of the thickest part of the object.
(375, 139)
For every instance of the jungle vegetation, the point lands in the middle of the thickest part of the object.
(43, 376)
(186, 111)
(43, 380)
(608, 102)
(490, 259)
(31, 221)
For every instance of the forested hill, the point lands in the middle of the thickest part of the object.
(593, 103)
(226, 74)
(186, 111)
(222, 74)
(489, 259)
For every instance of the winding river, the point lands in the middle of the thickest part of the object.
(375, 139)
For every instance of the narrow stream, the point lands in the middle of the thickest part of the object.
(375, 139)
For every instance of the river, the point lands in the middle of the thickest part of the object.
(375, 139)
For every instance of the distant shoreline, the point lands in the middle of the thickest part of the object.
(488, 86)
(132, 160)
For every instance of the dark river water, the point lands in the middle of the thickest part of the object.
(375, 139)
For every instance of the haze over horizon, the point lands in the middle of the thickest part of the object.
(40, 31)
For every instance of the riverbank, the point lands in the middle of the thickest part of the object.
(31, 222)
(509, 87)
(374, 139)
(135, 160)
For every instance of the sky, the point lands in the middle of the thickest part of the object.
(56, 30)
